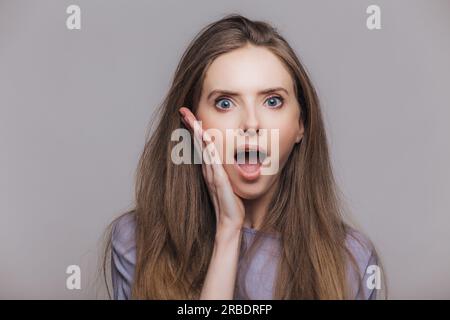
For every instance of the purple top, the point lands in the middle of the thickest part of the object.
(261, 270)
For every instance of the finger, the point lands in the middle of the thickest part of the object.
(188, 117)
(194, 127)
(209, 177)
(204, 139)
(214, 159)
(189, 120)
(208, 170)
(195, 131)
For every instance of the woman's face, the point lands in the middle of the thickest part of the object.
(236, 96)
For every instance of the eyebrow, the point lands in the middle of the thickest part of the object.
(233, 94)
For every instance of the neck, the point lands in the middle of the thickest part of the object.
(256, 209)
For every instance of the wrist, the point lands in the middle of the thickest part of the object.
(226, 233)
(229, 226)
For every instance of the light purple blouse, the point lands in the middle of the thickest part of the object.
(261, 271)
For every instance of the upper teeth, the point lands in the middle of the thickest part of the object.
(250, 156)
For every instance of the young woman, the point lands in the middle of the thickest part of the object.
(223, 230)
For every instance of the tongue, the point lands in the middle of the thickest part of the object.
(250, 167)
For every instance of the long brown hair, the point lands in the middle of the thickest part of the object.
(174, 216)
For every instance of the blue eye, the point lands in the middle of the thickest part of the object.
(223, 103)
(274, 102)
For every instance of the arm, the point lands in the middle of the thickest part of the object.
(123, 257)
(229, 211)
(221, 276)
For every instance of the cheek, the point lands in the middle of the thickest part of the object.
(287, 141)
(288, 133)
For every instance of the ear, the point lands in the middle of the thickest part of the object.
(300, 133)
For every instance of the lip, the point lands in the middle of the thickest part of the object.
(249, 176)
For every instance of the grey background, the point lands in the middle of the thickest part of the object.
(75, 108)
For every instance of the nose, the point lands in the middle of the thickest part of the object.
(250, 123)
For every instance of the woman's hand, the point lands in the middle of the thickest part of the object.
(220, 279)
(229, 208)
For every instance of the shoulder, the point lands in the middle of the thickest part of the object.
(365, 256)
(123, 233)
(359, 246)
(123, 255)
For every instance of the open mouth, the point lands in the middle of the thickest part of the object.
(248, 160)
(249, 157)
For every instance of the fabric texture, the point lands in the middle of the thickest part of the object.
(261, 269)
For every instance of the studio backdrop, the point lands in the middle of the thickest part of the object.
(78, 93)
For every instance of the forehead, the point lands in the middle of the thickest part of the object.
(248, 69)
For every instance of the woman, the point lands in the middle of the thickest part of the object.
(221, 230)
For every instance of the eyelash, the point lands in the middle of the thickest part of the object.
(271, 97)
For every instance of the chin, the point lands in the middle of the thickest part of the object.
(250, 190)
